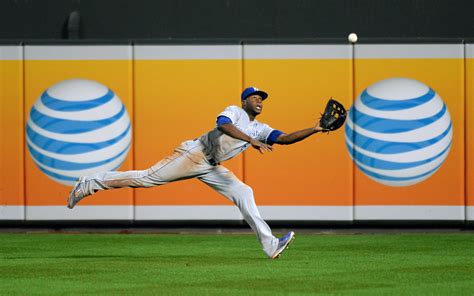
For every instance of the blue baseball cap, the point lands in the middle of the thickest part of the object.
(253, 91)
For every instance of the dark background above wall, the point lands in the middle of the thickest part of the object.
(170, 19)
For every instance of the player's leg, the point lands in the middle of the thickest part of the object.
(185, 162)
(226, 183)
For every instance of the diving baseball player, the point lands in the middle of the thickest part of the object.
(236, 130)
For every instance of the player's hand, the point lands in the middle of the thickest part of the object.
(318, 128)
(261, 147)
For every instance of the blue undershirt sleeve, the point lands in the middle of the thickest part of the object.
(272, 137)
(223, 120)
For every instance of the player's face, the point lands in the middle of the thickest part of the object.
(253, 104)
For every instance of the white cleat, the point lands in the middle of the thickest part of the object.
(76, 194)
(283, 244)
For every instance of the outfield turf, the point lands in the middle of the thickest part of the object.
(232, 264)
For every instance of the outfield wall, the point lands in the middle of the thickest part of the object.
(174, 92)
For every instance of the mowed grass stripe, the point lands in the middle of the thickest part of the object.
(229, 264)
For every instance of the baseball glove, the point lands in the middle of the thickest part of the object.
(333, 117)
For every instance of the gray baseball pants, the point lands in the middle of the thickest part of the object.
(189, 161)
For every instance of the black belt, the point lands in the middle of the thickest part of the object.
(212, 161)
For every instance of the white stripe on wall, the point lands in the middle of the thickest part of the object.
(309, 213)
(11, 53)
(79, 213)
(338, 213)
(78, 52)
(268, 51)
(469, 51)
(409, 212)
(273, 213)
(187, 213)
(12, 212)
(409, 51)
(470, 213)
(297, 51)
(187, 52)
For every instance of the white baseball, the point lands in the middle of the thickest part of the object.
(352, 37)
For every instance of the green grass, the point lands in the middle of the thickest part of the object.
(231, 264)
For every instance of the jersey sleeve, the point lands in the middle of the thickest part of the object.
(231, 112)
(272, 138)
(223, 120)
(268, 134)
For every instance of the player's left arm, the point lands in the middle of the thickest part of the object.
(332, 119)
(286, 139)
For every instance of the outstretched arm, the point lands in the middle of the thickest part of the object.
(286, 139)
(230, 130)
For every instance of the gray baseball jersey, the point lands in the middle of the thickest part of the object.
(222, 147)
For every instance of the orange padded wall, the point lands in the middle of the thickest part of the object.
(300, 79)
(11, 133)
(48, 65)
(179, 91)
(441, 67)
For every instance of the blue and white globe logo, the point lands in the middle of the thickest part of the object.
(78, 127)
(399, 132)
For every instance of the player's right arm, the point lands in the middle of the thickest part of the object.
(231, 130)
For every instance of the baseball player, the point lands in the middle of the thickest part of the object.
(236, 130)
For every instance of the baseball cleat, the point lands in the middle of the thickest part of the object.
(76, 194)
(283, 244)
